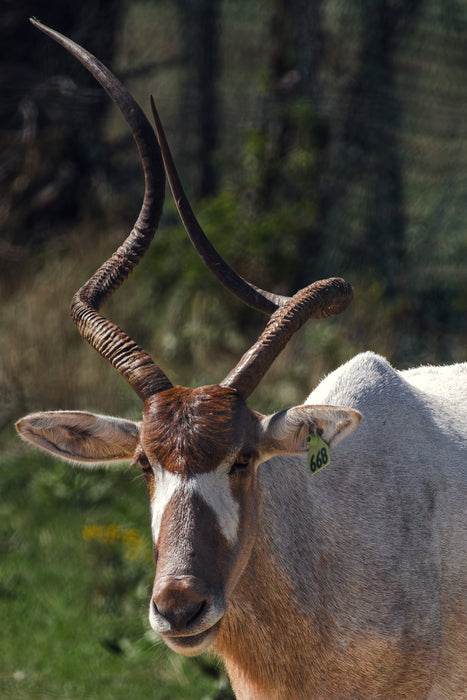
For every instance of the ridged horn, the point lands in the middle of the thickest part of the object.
(133, 363)
(318, 300)
(288, 314)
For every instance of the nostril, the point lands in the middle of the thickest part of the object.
(180, 609)
(197, 613)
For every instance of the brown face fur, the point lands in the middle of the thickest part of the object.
(198, 453)
(192, 431)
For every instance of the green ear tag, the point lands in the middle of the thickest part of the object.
(318, 453)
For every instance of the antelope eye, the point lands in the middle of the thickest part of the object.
(241, 463)
(143, 460)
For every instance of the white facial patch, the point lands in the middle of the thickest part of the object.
(213, 488)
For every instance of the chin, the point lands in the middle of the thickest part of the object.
(192, 645)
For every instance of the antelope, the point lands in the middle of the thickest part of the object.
(345, 583)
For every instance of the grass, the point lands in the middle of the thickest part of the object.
(75, 580)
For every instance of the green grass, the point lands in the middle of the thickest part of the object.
(75, 581)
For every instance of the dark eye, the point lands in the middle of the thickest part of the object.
(241, 463)
(146, 467)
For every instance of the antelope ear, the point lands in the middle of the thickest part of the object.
(81, 437)
(285, 432)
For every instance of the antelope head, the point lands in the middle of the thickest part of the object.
(199, 449)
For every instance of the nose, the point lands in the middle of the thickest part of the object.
(180, 602)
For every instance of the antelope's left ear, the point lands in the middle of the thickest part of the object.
(285, 432)
(81, 437)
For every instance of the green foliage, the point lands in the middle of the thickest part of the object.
(74, 605)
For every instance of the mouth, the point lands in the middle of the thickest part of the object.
(194, 644)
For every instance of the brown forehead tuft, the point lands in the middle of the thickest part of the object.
(190, 431)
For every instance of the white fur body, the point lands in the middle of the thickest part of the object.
(349, 584)
(371, 551)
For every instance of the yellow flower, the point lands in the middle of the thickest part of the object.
(135, 546)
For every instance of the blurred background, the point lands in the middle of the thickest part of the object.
(314, 139)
